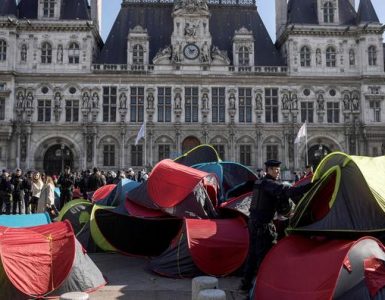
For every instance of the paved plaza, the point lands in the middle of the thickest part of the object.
(128, 278)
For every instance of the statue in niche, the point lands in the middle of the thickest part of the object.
(177, 52)
(95, 100)
(258, 102)
(60, 54)
(205, 55)
(285, 101)
(150, 101)
(205, 100)
(232, 101)
(57, 100)
(355, 102)
(352, 59)
(318, 57)
(29, 100)
(321, 102)
(20, 99)
(123, 101)
(346, 102)
(294, 101)
(178, 101)
(86, 100)
(190, 29)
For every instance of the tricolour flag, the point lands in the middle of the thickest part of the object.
(141, 133)
(301, 133)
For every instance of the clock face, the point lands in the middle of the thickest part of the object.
(191, 51)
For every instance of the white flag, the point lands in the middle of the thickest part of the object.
(141, 133)
(301, 133)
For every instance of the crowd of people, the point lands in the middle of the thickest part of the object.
(34, 191)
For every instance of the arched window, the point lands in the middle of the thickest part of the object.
(244, 56)
(328, 12)
(372, 56)
(49, 8)
(73, 53)
(330, 57)
(138, 55)
(3, 50)
(46, 53)
(23, 53)
(305, 57)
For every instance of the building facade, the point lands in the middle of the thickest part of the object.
(194, 72)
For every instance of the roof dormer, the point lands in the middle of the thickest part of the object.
(49, 9)
(328, 12)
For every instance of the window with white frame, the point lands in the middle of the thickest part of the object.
(218, 104)
(137, 104)
(44, 109)
(72, 111)
(49, 8)
(191, 104)
(372, 56)
(271, 105)
(109, 155)
(307, 112)
(244, 105)
(109, 104)
(328, 12)
(136, 155)
(375, 108)
(305, 56)
(244, 56)
(46, 53)
(330, 57)
(333, 112)
(245, 155)
(164, 104)
(3, 50)
(138, 55)
(73, 53)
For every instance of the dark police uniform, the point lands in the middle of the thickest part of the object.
(269, 196)
(66, 182)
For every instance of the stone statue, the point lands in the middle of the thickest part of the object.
(355, 103)
(177, 52)
(95, 100)
(346, 102)
(60, 54)
(285, 101)
(150, 101)
(258, 102)
(294, 101)
(123, 100)
(190, 29)
(205, 55)
(321, 102)
(178, 101)
(57, 100)
(86, 100)
(318, 57)
(205, 100)
(20, 99)
(29, 100)
(232, 101)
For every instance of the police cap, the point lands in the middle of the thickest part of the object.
(272, 163)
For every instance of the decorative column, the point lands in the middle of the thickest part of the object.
(122, 148)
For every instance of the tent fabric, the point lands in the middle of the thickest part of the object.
(200, 154)
(37, 260)
(139, 195)
(214, 247)
(303, 268)
(122, 188)
(348, 197)
(77, 212)
(240, 204)
(137, 210)
(28, 220)
(104, 193)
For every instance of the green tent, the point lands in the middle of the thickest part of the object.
(347, 199)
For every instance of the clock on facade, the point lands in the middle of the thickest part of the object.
(191, 51)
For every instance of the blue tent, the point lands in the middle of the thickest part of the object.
(29, 220)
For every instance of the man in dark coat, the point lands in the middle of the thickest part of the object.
(66, 182)
(269, 196)
(6, 189)
(17, 194)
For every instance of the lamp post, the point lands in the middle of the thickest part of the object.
(62, 157)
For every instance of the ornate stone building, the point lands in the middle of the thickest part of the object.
(194, 71)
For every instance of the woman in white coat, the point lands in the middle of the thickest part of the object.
(47, 196)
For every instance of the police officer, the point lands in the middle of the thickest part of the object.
(6, 189)
(66, 182)
(269, 196)
(17, 194)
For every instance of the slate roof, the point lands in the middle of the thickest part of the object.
(157, 19)
(305, 12)
(366, 12)
(8, 7)
(70, 10)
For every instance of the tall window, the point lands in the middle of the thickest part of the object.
(46, 53)
(2, 109)
(163, 151)
(352, 57)
(244, 56)
(271, 152)
(137, 155)
(23, 53)
(218, 102)
(328, 12)
(48, 8)
(245, 155)
(375, 107)
(333, 112)
(73, 53)
(221, 151)
(44, 111)
(109, 104)
(191, 104)
(72, 111)
(3, 50)
(330, 57)
(372, 56)
(137, 104)
(109, 155)
(245, 102)
(138, 55)
(307, 112)
(271, 105)
(164, 104)
(305, 56)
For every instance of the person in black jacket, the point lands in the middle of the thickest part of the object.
(95, 181)
(269, 196)
(5, 192)
(66, 182)
(17, 194)
(27, 188)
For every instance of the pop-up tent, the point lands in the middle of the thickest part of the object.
(44, 261)
(199, 154)
(214, 247)
(77, 212)
(302, 268)
(347, 199)
(24, 220)
(104, 193)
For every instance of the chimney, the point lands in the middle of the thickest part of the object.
(280, 17)
(96, 13)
